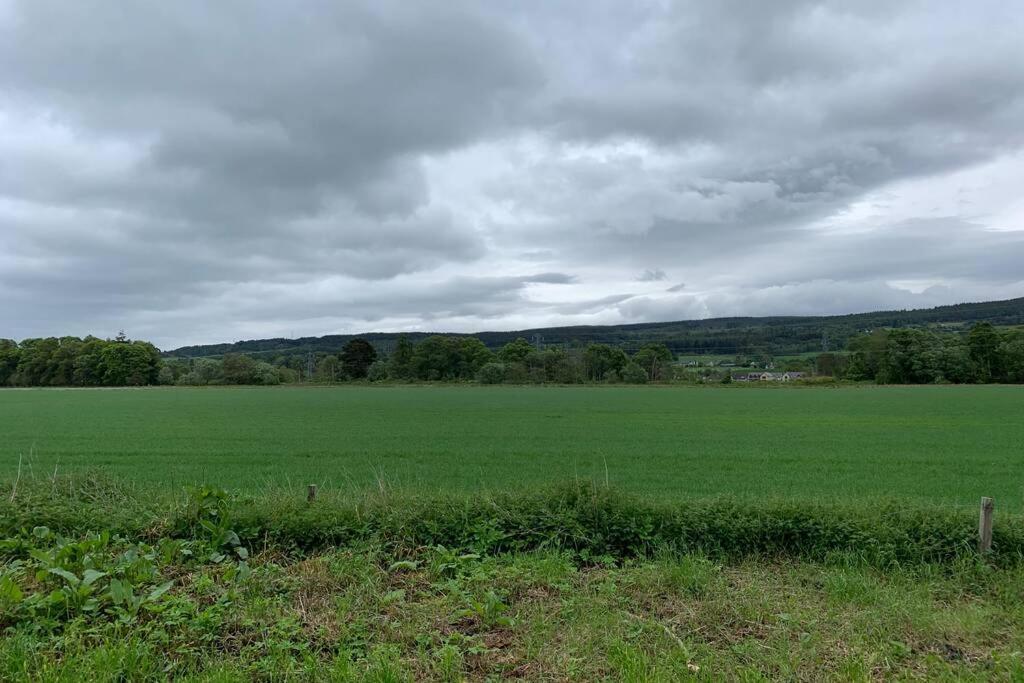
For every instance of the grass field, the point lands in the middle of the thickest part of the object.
(719, 533)
(943, 445)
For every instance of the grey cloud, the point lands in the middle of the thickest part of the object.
(656, 275)
(647, 309)
(198, 170)
(589, 306)
(479, 297)
(537, 256)
(944, 248)
(820, 100)
(551, 278)
(267, 108)
(814, 297)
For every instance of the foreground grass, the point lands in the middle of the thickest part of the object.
(938, 445)
(357, 615)
(99, 582)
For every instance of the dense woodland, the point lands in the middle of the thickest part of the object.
(982, 353)
(752, 337)
(437, 358)
(70, 361)
(914, 356)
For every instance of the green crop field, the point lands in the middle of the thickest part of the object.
(942, 445)
(469, 533)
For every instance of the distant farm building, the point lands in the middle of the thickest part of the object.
(770, 376)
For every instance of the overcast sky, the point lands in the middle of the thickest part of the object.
(213, 171)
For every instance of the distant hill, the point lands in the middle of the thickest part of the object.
(777, 335)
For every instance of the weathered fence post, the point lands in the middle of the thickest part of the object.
(311, 495)
(985, 525)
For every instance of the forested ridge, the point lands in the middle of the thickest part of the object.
(776, 335)
(948, 345)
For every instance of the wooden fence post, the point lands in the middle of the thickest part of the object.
(985, 525)
(311, 495)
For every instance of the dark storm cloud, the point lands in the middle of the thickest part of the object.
(202, 171)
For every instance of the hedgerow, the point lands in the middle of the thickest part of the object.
(591, 522)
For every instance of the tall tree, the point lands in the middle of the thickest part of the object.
(35, 366)
(9, 356)
(441, 357)
(130, 364)
(517, 351)
(328, 368)
(89, 368)
(356, 358)
(237, 368)
(603, 361)
(867, 351)
(401, 361)
(653, 358)
(1012, 352)
(983, 346)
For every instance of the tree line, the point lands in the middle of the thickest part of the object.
(899, 356)
(437, 358)
(353, 363)
(71, 361)
(920, 356)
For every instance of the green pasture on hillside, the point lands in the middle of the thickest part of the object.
(945, 445)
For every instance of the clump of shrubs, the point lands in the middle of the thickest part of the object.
(491, 373)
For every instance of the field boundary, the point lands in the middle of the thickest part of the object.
(592, 522)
